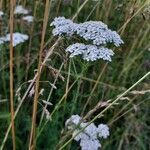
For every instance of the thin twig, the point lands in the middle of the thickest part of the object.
(94, 88)
(32, 134)
(11, 73)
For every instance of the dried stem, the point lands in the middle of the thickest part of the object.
(32, 134)
(11, 21)
(94, 88)
(1, 4)
(50, 93)
(30, 41)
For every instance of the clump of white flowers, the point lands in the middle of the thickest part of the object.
(89, 137)
(92, 31)
(63, 26)
(19, 9)
(98, 33)
(17, 38)
(90, 52)
(29, 19)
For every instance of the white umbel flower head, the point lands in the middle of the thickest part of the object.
(60, 21)
(20, 10)
(93, 53)
(29, 19)
(63, 26)
(76, 49)
(87, 134)
(98, 33)
(93, 31)
(90, 52)
(103, 131)
(17, 38)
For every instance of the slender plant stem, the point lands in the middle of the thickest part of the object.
(56, 108)
(100, 114)
(30, 41)
(94, 88)
(80, 8)
(128, 20)
(11, 73)
(1, 4)
(123, 114)
(32, 134)
(50, 93)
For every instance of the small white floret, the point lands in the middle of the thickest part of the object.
(103, 131)
(91, 131)
(73, 120)
(81, 135)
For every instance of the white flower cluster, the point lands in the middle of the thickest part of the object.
(90, 52)
(95, 31)
(17, 38)
(20, 10)
(89, 137)
(98, 33)
(63, 26)
(29, 19)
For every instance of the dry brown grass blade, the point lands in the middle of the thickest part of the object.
(32, 141)
(30, 41)
(123, 27)
(1, 4)
(11, 21)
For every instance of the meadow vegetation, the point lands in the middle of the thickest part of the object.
(41, 86)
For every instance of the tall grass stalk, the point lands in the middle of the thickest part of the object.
(1, 4)
(50, 93)
(30, 40)
(123, 27)
(116, 117)
(94, 88)
(11, 22)
(32, 141)
(56, 108)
